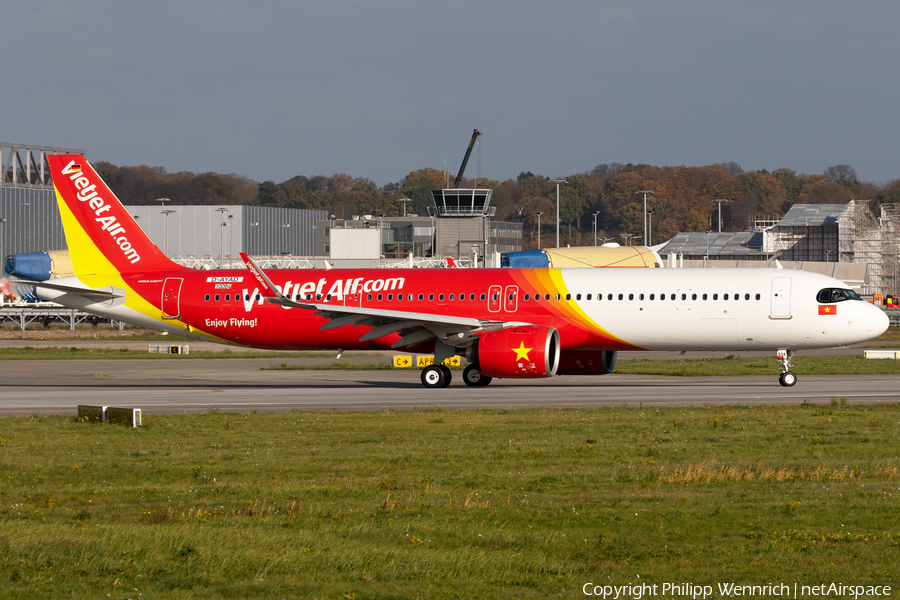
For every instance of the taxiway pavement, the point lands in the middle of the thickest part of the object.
(183, 385)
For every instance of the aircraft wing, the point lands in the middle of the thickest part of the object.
(413, 327)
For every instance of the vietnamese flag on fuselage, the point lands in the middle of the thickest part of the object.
(827, 309)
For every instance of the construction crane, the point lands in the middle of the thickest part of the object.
(462, 168)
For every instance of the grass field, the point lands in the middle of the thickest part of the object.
(448, 504)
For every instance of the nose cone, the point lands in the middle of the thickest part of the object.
(873, 321)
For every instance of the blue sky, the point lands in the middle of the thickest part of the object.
(377, 89)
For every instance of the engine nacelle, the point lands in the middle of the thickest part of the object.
(530, 351)
(40, 266)
(585, 362)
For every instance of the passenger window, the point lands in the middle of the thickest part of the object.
(431, 296)
(757, 296)
(631, 296)
(483, 297)
(684, 296)
(451, 297)
(319, 297)
(368, 296)
(399, 297)
(653, 296)
(609, 296)
(206, 298)
(704, 296)
(715, 296)
(662, 296)
(217, 297)
(258, 297)
(472, 297)
(227, 297)
(588, 296)
(568, 296)
(557, 297)
(746, 296)
(421, 297)
(578, 296)
(673, 297)
(621, 296)
(725, 297)
(440, 296)
(510, 297)
(379, 297)
(737, 296)
(493, 296)
(547, 297)
(641, 297)
(693, 296)
(328, 297)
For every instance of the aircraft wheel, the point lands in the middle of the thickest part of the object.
(448, 376)
(433, 377)
(787, 379)
(473, 377)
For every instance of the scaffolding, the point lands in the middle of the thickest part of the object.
(875, 242)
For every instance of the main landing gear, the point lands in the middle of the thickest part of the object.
(787, 377)
(436, 376)
(474, 378)
(439, 376)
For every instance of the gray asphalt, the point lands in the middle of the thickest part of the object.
(181, 385)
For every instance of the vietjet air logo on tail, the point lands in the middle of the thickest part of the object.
(101, 216)
(87, 192)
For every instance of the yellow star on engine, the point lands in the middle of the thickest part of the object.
(522, 352)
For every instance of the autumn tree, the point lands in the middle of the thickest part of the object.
(822, 191)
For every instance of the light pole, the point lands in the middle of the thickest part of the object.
(720, 201)
(287, 249)
(404, 201)
(222, 210)
(627, 236)
(645, 192)
(595, 227)
(230, 237)
(539, 216)
(557, 182)
(2, 222)
(167, 212)
(650, 229)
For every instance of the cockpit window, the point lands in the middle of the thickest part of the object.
(830, 295)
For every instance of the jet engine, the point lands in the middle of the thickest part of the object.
(39, 266)
(529, 351)
(585, 362)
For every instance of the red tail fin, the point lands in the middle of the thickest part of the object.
(101, 235)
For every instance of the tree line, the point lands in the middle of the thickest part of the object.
(683, 197)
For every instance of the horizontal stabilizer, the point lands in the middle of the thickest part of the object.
(109, 294)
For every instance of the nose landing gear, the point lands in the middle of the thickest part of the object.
(787, 377)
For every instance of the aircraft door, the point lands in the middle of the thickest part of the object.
(494, 300)
(781, 298)
(511, 298)
(171, 307)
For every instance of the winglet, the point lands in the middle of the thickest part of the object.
(451, 263)
(267, 288)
